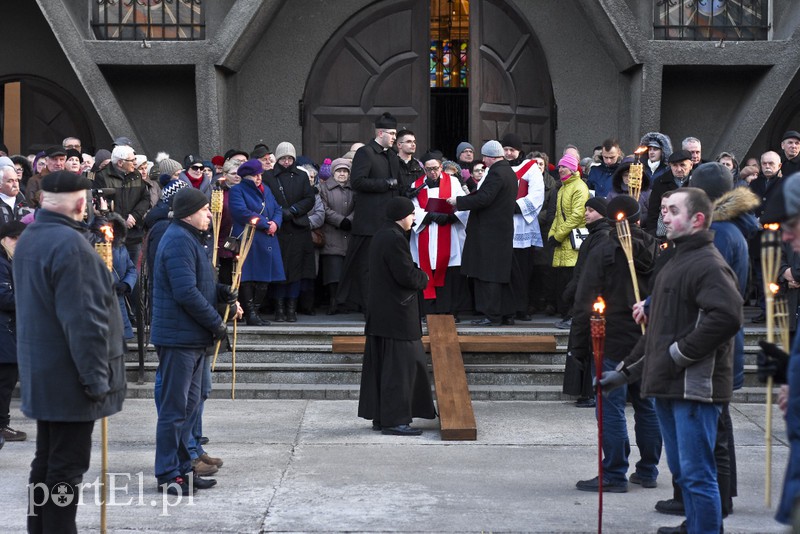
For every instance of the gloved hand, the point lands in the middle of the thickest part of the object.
(345, 225)
(452, 218)
(96, 391)
(428, 219)
(465, 175)
(552, 242)
(611, 380)
(772, 361)
(517, 210)
(122, 288)
(392, 182)
(227, 294)
(287, 214)
(220, 332)
(439, 218)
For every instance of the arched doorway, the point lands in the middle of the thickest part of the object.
(379, 61)
(37, 112)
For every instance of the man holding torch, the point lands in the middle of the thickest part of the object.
(185, 322)
(610, 278)
(685, 360)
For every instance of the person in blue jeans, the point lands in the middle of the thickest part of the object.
(609, 278)
(685, 360)
(185, 322)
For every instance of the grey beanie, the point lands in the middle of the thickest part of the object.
(713, 178)
(462, 146)
(188, 201)
(492, 148)
(169, 166)
(285, 149)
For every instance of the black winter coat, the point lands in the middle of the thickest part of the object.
(132, 197)
(8, 328)
(372, 167)
(488, 248)
(296, 196)
(662, 184)
(394, 284)
(598, 232)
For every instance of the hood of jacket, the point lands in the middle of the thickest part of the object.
(661, 139)
(736, 206)
(619, 186)
(118, 226)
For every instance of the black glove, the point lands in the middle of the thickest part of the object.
(392, 183)
(611, 380)
(772, 361)
(227, 294)
(345, 225)
(287, 214)
(122, 288)
(517, 210)
(452, 218)
(220, 332)
(552, 242)
(96, 391)
(427, 219)
(439, 218)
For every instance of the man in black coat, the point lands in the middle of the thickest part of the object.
(394, 375)
(374, 178)
(790, 145)
(488, 249)
(680, 165)
(70, 348)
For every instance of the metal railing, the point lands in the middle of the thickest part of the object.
(711, 20)
(152, 20)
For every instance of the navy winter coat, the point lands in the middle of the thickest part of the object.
(247, 202)
(184, 290)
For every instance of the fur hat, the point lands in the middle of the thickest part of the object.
(569, 161)
(285, 149)
(713, 178)
(188, 201)
(492, 149)
(399, 208)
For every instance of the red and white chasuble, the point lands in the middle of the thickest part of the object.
(436, 247)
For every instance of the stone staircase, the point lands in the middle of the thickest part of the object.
(297, 362)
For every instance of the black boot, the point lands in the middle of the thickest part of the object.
(291, 311)
(305, 303)
(258, 297)
(280, 310)
(333, 306)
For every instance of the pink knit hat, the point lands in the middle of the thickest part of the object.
(569, 161)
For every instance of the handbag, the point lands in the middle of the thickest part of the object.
(577, 236)
(231, 244)
(318, 238)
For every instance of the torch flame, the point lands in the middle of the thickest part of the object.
(599, 306)
(774, 288)
(773, 226)
(620, 216)
(640, 150)
(254, 221)
(108, 232)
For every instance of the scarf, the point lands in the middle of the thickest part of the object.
(443, 234)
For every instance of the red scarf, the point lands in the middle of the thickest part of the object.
(522, 192)
(435, 277)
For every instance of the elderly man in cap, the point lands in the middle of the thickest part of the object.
(394, 377)
(609, 277)
(75, 374)
(790, 145)
(185, 322)
(773, 361)
(488, 248)
(55, 159)
(680, 165)
(375, 179)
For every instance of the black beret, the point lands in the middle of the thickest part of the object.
(55, 150)
(188, 201)
(232, 152)
(65, 182)
(12, 229)
(399, 208)
(433, 154)
(386, 121)
(624, 204)
(513, 140)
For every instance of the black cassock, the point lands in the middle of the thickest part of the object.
(394, 375)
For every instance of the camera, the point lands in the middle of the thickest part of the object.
(102, 193)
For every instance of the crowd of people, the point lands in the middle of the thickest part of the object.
(495, 232)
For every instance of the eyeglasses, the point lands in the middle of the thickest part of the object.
(129, 160)
(432, 169)
(197, 167)
(479, 169)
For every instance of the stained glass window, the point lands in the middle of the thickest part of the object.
(156, 20)
(711, 20)
(449, 65)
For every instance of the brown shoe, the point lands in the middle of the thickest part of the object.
(13, 435)
(210, 460)
(203, 469)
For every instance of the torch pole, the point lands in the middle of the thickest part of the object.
(598, 331)
(104, 250)
(624, 236)
(770, 264)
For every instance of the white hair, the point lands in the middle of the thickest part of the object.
(121, 152)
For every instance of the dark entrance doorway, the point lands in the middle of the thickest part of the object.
(449, 120)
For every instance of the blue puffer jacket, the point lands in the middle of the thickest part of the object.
(184, 290)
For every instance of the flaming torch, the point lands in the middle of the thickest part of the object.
(598, 329)
(247, 241)
(635, 174)
(624, 235)
(104, 250)
(217, 197)
(770, 265)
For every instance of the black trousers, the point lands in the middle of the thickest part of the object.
(521, 267)
(9, 373)
(63, 451)
(493, 299)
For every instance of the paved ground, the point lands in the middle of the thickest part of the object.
(312, 466)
